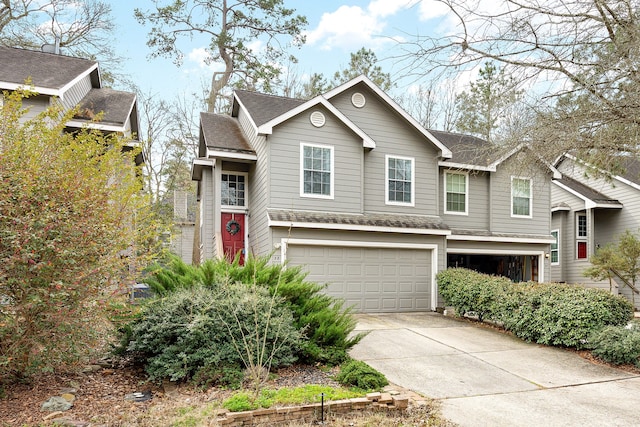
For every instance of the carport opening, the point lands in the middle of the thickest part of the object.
(518, 268)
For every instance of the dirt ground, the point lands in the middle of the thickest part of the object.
(100, 401)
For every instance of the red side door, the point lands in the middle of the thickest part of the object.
(233, 232)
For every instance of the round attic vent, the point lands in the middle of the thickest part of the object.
(358, 100)
(317, 119)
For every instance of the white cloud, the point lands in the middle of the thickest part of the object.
(384, 8)
(348, 27)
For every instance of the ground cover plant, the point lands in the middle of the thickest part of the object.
(546, 313)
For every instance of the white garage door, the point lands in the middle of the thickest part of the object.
(370, 279)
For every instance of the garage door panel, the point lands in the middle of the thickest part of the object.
(369, 279)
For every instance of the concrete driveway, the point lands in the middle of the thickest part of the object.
(486, 378)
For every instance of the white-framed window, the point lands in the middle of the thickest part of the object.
(233, 189)
(399, 180)
(456, 191)
(581, 236)
(316, 166)
(555, 247)
(521, 197)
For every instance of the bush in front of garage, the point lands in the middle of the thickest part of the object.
(546, 313)
(325, 325)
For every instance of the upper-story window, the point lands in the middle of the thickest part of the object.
(400, 182)
(555, 247)
(233, 190)
(456, 193)
(521, 197)
(581, 236)
(316, 163)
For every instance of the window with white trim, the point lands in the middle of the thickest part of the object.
(555, 247)
(233, 187)
(581, 236)
(400, 183)
(456, 193)
(521, 197)
(316, 164)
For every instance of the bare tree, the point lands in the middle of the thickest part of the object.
(232, 28)
(80, 28)
(584, 54)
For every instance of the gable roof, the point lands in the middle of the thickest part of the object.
(467, 150)
(117, 108)
(50, 74)
(271, 111)
(221, 136)
(262, 107)
(630, 164)
(362, 79)
(591, 197)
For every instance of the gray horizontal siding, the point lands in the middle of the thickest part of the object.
(393, 136)
(479, 203)
(501, 219)
(284, 168)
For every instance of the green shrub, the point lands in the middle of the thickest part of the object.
(619, 345)
(358, 374)
(473, 293)
(324, 321)
(242, 401)
(546, 313)
(197, 330)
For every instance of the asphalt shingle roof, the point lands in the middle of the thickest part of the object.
(369, 219)
(264, 108)
(467, 149)
(223, 132)
(45, 69)
(116, 106)
(587, 192)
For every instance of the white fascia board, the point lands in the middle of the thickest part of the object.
(267, 128)
(560, 209)
(96, 125)
(588, 203)
(453, 165)
(616, 177)
(198, 164)
(351, 227)
(502, 239)
(37, 89)
(235, 97)
(213, 154)
(446, 153)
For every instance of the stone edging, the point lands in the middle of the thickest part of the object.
(312, 411)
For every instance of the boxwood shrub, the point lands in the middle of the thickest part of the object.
(546, 313)
(619, 345)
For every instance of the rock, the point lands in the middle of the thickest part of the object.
(68, 397)
(56, 403)
(138, 396)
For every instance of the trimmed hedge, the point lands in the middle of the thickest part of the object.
(619, 345)
(546, 313)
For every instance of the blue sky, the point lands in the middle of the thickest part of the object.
(336, 28)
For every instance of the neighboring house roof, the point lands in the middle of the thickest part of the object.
(116, 108)
(50, 74)
(364, 222)
(263, 108)
(630, 164)
(592, 198)
(362, 79)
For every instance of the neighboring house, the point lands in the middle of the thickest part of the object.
(589, 210)
(73, 82)
(353, 188)
(184, 223)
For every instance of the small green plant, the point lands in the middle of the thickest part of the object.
(310, 393)
(358, 374)
(619, 345)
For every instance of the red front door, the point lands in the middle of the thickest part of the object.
(233, 235)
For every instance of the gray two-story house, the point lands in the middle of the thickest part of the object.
(72, 83)
(591, 208)
(353, 188)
